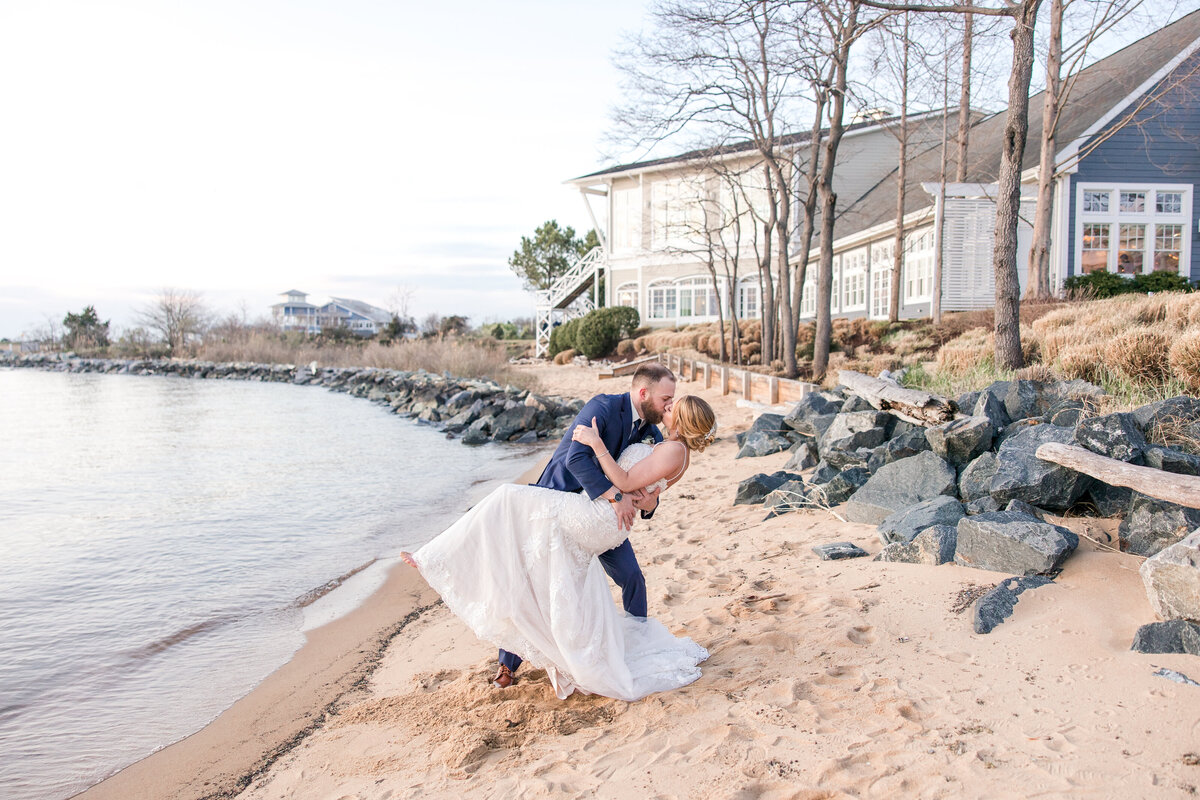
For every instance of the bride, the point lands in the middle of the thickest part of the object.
(520, 569)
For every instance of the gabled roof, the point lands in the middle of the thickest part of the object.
(787, 141)
(363, 309)
(1097, 89)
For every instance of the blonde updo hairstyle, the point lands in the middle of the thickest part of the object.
(695, 422)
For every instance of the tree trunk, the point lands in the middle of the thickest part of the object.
(810, 209)
(901, 176)
(940, 253)
(1008, 200)
(921, 408)
(964, 98)
(837, 107)
(787, 314)
(1182, 490)
(1037, 285)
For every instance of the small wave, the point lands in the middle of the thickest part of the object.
(178, 637)
(313, 595)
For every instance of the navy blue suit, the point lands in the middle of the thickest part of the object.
(574, 468)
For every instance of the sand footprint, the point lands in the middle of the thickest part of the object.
(861, 634)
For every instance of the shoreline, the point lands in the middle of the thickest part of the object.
(331, 670)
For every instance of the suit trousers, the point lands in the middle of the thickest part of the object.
(621, 565)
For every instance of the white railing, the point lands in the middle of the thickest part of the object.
(554, 305)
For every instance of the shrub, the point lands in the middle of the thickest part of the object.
(1161, 282)
(1184, 358)
(597, 334)
(624, 318)
(563, 337)
(627, 348)
(1097, 285)
(566, 356)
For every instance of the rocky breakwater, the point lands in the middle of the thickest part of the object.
(475, 410)
(972, 490)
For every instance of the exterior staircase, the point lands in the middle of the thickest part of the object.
(566, 298)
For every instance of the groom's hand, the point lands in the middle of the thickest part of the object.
(624, 509)
(647, 501)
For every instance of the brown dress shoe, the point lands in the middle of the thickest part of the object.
(504, 678)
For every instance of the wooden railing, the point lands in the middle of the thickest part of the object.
(732, 380)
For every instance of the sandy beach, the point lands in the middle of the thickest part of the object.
(841, 679)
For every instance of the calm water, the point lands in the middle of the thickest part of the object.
(164, 543)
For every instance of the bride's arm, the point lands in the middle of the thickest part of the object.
(662, 462)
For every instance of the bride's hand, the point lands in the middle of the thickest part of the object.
(589, 436)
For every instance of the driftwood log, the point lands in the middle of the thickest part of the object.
(1183, 490)
(921, 408)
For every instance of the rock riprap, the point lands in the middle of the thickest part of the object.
(1012, 542)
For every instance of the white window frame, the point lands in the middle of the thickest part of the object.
(627, 219)
(627, 291)
(676, 218)
(1149, 217)
(663, 291)
(696, 286)
(881, 279)
(748, 288)
(854, 279)
(918, 265)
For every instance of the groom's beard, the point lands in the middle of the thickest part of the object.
(650, 416)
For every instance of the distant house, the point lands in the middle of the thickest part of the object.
(1127, 173)
(295, 313)
(362, 318)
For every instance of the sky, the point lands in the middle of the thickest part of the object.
(241, 148)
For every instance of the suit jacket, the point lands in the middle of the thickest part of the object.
(574, 465)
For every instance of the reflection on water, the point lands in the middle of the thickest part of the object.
(160, 539)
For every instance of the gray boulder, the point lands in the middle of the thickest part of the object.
(976, 478)
(1151, 525)
(998, 604)
(475, 436)
(901, 445)
(835, 551)
(933, 546)
(1022, 507)
(1169, 459)
(1109, 501)
(901, 484)
(1025, 399)
(1113, 435)
(528, 437)
(855, 404)
(904, 525)
(1172, 579)
(845, 459)
(840, 487)
(761, 443)
(982, 505)
(1008, 541)
(811, 405)
(1172, 636)
(991, 408)
(854, 430)
(754, 489)
(512, 422)
(1021, 475)
(961, 440)
(768, 423)
(968, 400)
(1178, 412)
(789, 496)
(813, 427)
(1066, 414)
(824, 473)
(803, 457)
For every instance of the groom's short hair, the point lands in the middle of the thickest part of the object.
(650, 374)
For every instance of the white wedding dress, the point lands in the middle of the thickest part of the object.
(520, 569)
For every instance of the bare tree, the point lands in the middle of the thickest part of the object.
(964, 99)
(176, 315)
(1100, 17)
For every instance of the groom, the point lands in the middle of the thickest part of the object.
(622, 419)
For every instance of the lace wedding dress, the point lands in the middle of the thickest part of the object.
(520, 569)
